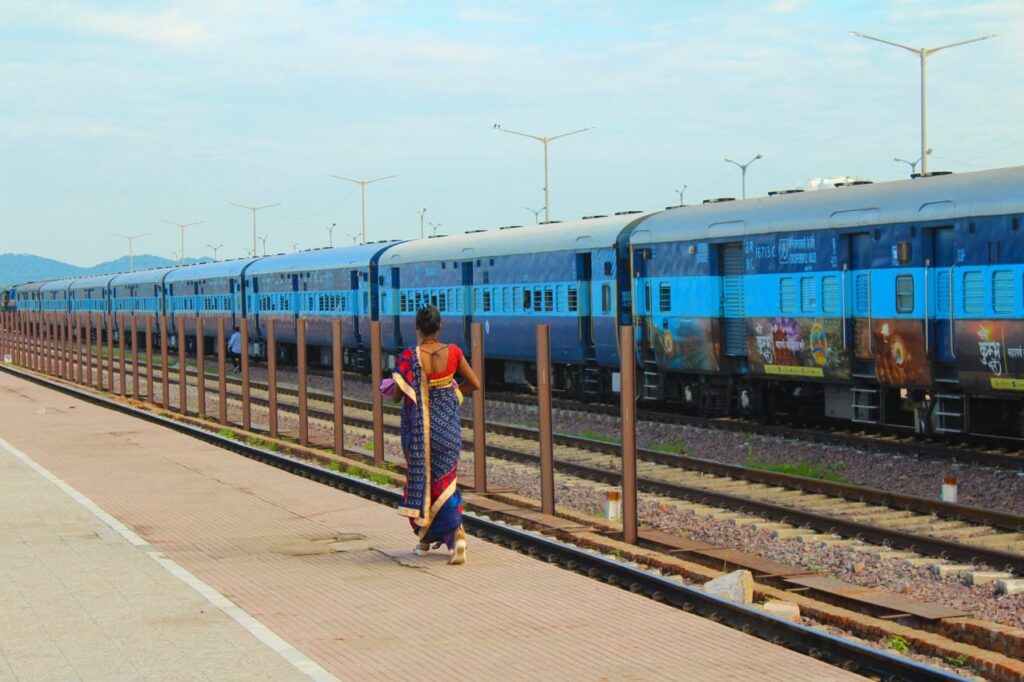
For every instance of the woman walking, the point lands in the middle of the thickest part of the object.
(432, 435)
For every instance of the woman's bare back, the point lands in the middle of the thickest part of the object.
(436, 360)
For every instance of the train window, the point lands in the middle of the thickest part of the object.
(664, 297)
(904, 293)
(1002, 292)
(442, 301)
(787, 295)
(606, 298)
(487, 301)
(974, 293)
(830, 294)
(561, 298)
(808, 295)
(608, 268)
(527, 299)
(860, 295)
(573, 301)
(549, 300)
(647, 298)
(506, 295)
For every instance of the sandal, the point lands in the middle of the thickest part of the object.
(459, 553)
(421, 548)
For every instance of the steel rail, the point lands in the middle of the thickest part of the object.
(866, 532)
(838, 651)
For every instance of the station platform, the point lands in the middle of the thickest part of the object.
(130, 551)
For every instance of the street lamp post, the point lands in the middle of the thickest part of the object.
(544, 139)
(422, 211)
(295, 245)
(923, 53)
(264, 240)
(182, 226)
(254, 209)
(362, 193)
(355, 237)
(434, 226)
(743, 168)
(330, 235)
(681, 192)
(536, 214)
(913, 164)
(215, 249)
(130, 238)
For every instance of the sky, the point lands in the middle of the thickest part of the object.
(118, 116)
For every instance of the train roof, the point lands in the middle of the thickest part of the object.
(319, 259)
(57, 284)
(90, 282)
(221, 268)
(568, 236)
(942, 197)
(151, 276)
(30, 287)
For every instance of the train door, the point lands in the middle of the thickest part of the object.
(467, 301)
(940, 340)
(734, 312)
(641, 302)
(582, 301)
(396, 311)
(860, 265)
(236, 305)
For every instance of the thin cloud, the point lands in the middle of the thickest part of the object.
(171, 28)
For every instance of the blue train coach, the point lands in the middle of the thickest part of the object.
(510, 280)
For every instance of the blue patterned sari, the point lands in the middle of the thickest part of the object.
(431, 442)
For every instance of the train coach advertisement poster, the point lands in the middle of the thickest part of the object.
(898, 349)
(686, 344)
(809, 348)
(990, 355)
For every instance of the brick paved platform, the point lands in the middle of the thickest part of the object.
(329, 573)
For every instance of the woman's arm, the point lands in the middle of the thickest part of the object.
(470, 381)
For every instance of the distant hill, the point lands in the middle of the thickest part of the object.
(16, 268)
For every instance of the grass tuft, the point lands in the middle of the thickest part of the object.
(805, 469)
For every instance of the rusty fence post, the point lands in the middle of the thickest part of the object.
(547, 461)
(37, 345)
(90, 377)
(303, 362)
(243, 325)
(339, 402)
(48, 343)
(378, 399)
(82, 376)
(627, 407)
(122, 357)
(479, 415)
(271, 378)
(182, 366)
(136, 389)
(165, 387)
(201, 366)
(69, 345)
(222, 375)
(150, 393)
(110, 352)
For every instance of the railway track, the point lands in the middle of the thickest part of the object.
(839, 651)
(810, 510)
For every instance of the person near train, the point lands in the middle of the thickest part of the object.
(424, 378)
(235, 350)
